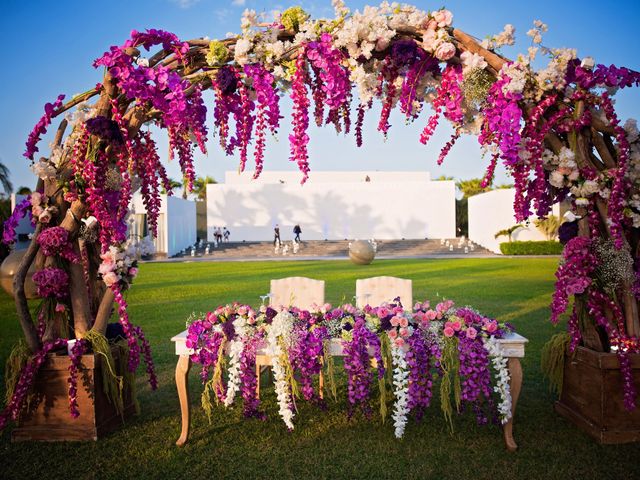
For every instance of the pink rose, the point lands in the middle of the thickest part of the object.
(456, 326)
(491, 326)
(393, 334)
(36, 199)
(110, 278)
(443, 17)
(471, 332)
(398, 310)
(382, 312)
(133, 272)
(404, 322)
(430, 315)
(404, 332)
(242, 311)
(212, 317)
(448, 332)
(395, 321)
(399, 342)
(37, 210)
(431, 24)
(429, 40)
(106, 267)
(381, 44)
(251, 320)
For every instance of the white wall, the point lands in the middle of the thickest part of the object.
(274, 176)
(491, 212)
(181, 224)
(176, 223)
(24, 226)
(334, 210)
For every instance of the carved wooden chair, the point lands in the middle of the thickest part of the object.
(301, 292)
(377, 290)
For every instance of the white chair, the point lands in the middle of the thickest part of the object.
(301, 292)
(377, 290)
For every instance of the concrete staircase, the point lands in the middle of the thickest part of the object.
(334, 248)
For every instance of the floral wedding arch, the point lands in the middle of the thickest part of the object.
(555, 130)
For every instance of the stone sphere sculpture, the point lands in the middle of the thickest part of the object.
(8, 270)
(361, 252)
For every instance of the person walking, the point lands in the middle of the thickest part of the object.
(297, 231)
(226, 234)
(276, 235)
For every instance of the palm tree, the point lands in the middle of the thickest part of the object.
(508, 232)
(24, 191)
(4, 179)
(173, 184)
(548, 226)
(471, 187)
(200, 186)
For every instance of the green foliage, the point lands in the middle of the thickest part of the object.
(200, 186)
(112, 383)
(218, 53)
(18, 358)
(450, 364)
(471, 187)
(544, 247)
(548, 226)
(462, 216)
(552, 360)
(293, 17)
(508, 232)
(329, 376)
(476, 85)
(4, 179)
(24, 191)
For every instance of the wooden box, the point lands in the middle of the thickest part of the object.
(50, 419)
(592, 396)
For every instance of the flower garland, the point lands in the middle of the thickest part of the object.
(278, 336)
(234, 381)
(299, 139)
(10, 225)
(401, 389)
(41, 127)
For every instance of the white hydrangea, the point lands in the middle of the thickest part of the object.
(472, 61)
(241, 52)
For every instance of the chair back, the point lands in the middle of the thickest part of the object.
(377, 290)
(301, 292)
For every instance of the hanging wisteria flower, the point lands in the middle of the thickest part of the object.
(502, 387)
(401, 390)
(278, 337)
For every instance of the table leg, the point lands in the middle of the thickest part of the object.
(182, 383)
(515, 382)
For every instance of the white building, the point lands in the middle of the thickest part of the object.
(176, 223)
(332, 206)
(491, 212)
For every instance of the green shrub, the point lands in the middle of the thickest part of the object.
(531, 248)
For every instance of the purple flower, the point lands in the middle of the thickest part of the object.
(404, 52)
(226, 79)
(105, 128)
(567, 231)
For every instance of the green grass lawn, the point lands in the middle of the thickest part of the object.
(325, 444)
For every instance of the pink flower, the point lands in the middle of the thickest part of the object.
(471, 332)
(242, 311)
(491, 326)
(45, 217)
(36, 199)
(212, 317)
(251, 320)
(106, 267)
(404, 332)
(395, 321)
(393, 334)
(37, 210)
(404, 322)
(60, 307)
(456, 325)
(110, 278)
(443, 17)
(429, 40)
(430, 315)
(448, 332)
(133, 272)
(398, 310)
(399, 342)
(383, 312)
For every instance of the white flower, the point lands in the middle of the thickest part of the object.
(44, 169)
(588, 63)
(281, 328)
(556, 179)
(241, 52)
(249, 19)
(234, 381)
(631, 127)
(401, 384)
(340, 9)
(472, 61)
(506, 37)
(142, 62)
(502, 388)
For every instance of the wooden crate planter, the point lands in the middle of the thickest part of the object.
(592, 397)
(50, 419)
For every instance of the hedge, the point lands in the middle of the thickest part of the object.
(531, 248)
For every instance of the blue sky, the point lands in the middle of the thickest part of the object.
(49, 48)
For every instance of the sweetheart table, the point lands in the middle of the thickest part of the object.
(511, 347)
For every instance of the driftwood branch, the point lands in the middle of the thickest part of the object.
(104, 312)
(24, 315)
(602, 149)
(466, 41)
